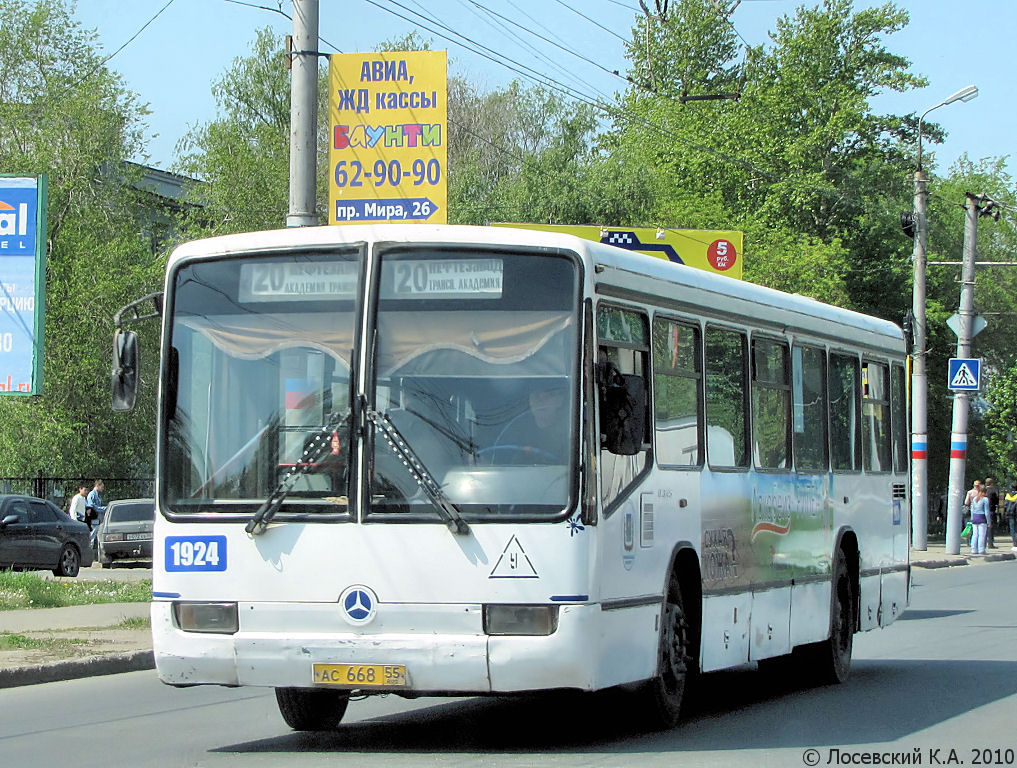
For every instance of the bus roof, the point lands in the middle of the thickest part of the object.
(630, 270)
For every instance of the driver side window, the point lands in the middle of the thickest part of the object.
(623, 343)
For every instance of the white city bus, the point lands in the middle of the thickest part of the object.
(430, 460)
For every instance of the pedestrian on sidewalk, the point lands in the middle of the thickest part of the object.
(979, 522)
(95, 511)
(969, 499)
(992, 492)
(76, 510)
(95, 508)
(1010, 510)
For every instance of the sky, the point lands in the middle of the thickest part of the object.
(173, 62)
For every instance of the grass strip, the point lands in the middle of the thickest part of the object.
(26, 590)
(136, 622)
(13, 641)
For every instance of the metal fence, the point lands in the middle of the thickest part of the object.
(60, 489)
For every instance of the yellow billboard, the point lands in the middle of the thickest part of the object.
(718, 251)
(388, 148)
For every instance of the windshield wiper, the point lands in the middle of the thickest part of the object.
(446, 509)
(319, 444)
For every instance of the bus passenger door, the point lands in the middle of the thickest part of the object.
(630, 584)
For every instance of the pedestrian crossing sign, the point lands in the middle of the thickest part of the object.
(965, 374)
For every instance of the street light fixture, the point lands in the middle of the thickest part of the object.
(964, 94)
(919, 379)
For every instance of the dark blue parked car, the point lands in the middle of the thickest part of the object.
(36, 535)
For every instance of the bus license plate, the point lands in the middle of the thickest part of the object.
(361, 675)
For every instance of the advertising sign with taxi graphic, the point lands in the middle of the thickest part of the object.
(717, 251)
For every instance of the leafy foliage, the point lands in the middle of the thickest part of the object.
(64, 114)
(243, 155)
(800, 162)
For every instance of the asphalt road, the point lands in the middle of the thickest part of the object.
(943, 677)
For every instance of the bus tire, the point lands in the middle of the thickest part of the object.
(829, 662)
(312, 709)
(665, 693)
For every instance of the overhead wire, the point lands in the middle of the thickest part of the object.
(617, 113)
(104, 61)
(549, 82)
(745, 164)
(282, 13)
(500, 21)
(592, 21)
(552, 84)
(561, 47)
(624, 5)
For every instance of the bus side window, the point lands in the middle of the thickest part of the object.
(677, 393)
(899, 418)
(771, 404)
(876, 417)
(727, 403)
(845, 436)
(622, 372)
(809, 424)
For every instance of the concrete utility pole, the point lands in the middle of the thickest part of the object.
(303, 114)
(919, 379)
(959, 432)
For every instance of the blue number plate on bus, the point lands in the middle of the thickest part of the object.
(195, 553)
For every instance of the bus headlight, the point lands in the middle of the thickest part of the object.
(520, 619)
(220, 618)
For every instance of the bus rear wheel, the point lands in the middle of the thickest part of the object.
(312, 709)
(665, 693)
(829, 662)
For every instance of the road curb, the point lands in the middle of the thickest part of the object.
(939, 563)
(71, 670)
(1000, 557)
(992, 558)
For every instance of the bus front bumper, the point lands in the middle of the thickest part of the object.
(442, 648)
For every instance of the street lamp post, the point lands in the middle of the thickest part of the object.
(919, 378)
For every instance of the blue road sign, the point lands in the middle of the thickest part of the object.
(965, 374)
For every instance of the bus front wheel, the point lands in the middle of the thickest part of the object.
(312, 709)
(665, 692)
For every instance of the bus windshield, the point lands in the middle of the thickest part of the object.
(472, 359)
(260, 361)
(476, 365)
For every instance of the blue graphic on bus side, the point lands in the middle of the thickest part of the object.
(195, 553)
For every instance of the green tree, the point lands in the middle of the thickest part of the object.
(989, 441)
(1001, 423)
(800, 158)
(518, 154)
(63, 113)
(242, 157)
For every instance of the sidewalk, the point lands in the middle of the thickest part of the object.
(102, 645)
(935, 555)
(72, 642)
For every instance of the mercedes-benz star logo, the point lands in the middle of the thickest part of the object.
(359, 604)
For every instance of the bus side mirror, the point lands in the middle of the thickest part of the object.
(622, 411)
(126, 369)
